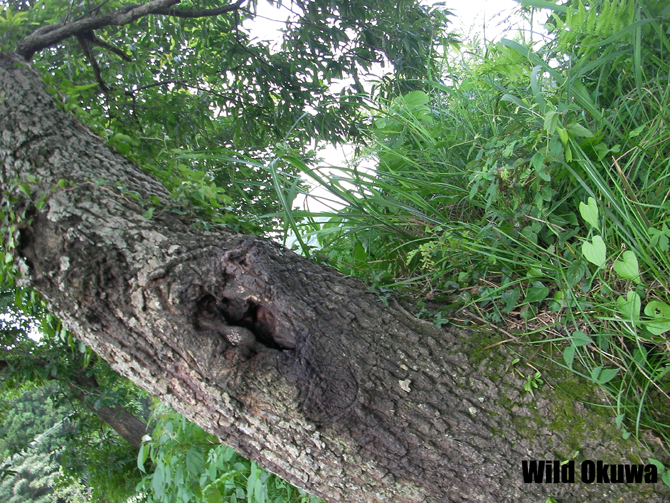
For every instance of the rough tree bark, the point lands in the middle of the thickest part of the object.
(292, 364)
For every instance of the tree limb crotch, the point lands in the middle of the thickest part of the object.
(51, 35)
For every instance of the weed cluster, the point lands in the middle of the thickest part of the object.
(531, 186)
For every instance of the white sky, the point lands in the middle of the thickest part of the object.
(470, 16)
(481, 16)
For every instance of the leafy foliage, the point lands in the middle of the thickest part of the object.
(31, 414)
(191, 465)
(34, 480)
(216, 116)
(523, 183)
(531, 187)
(202, 84)
(50, 372)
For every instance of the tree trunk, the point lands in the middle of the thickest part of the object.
(128, 426)
(294, 365)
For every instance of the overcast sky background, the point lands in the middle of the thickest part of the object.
(470, 16)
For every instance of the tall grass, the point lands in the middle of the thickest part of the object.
(531, 187)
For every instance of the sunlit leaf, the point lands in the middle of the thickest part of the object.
(551, 122)
(595, 251)
(589, 212)
(630, 306)
(659, 311)
(627, 266)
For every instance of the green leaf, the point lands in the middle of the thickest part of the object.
(214, 496)
(148, 214)
(559, 301)
(194, 462)
(227, 455)
(603, 376)
(516, 101)
(62, 183)
(542, 4)
(142, 457)
(659, 465)
(601, 150)
(251, 481)
(627, 267)
(569, 355)
(259, 497)
(630, 306)
(577, 130)
(659, 238)
(659, 311)
(575, 272)
(589, 212)
(579, 338)
(595, 251)
(538, 163)
(510, 298)
(536, 293)
(640, 357)
(25, 188)
(87, 359)
(563, 135)
(607, 375)
(619, 420)
(416, 98)
(596, 372)
(158, 480)
(666, 477)
(551, 122)
(83, 87)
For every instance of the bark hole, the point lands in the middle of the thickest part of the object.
(221, 314)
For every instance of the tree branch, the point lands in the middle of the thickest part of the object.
(201, 12)
(51, 35)
(105, 45)
(86, 48)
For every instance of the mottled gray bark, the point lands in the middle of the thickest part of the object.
(294, 365)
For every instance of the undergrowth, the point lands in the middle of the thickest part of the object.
(530, 187)
(189, 464)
